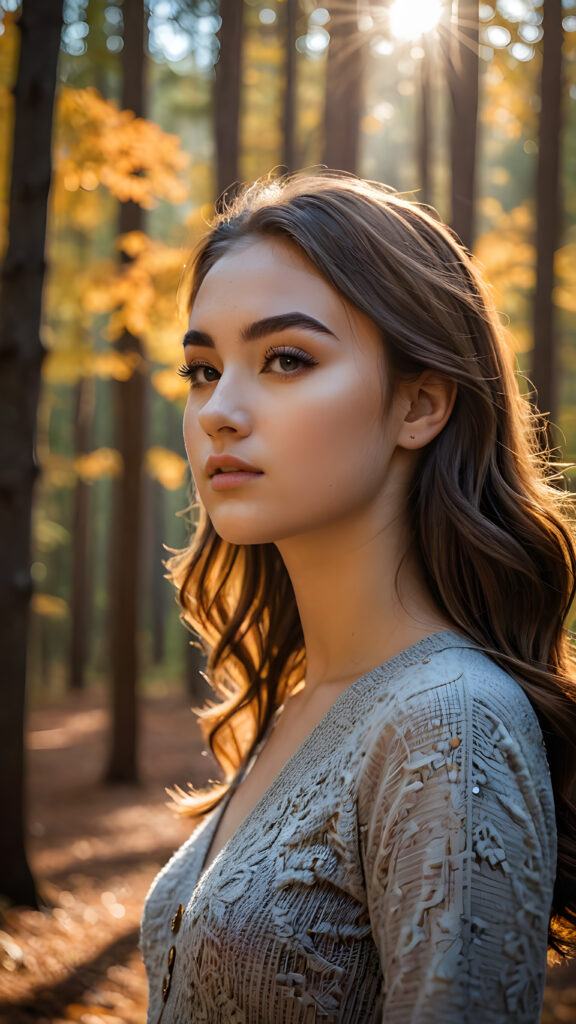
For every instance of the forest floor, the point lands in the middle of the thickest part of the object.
(94, 850)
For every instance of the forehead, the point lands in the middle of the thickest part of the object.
(263, 277)
(264, 271)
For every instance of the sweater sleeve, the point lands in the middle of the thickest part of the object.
(459, 852)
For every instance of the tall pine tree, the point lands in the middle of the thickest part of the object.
(21, 355)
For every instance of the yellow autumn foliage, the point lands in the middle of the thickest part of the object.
(140, 295)
(266, 53)
(507, 252)
(98, 144)
(49, 606)
(508, 89)
(133, 243)
(370, 125)
(167, 467)
(565, 269)
(103, 462)
(96, 295)
(118, 365)
(58, 470)
(198, 221)
(507, 255)
(565, 297)
(161, 464)
(68, 365)
(168, 384)
(102, 154)
(499, 175)
(48, 535)
(490, 207)
(521, 338)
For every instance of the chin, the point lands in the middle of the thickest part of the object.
(242, 534)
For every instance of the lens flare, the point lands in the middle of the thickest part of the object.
(410, 19)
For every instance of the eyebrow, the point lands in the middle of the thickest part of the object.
(261, 328)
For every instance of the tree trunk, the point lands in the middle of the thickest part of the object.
(158, 583)
(424, 135)
(81, 575)
(227, 97)
(126, 526)
(548, 212)
(21, 355)
(344, 89)
(463, 85)
(291, 15)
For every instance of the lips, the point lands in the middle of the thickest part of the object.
(222, 463)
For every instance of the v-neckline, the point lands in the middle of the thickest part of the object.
(424, 646)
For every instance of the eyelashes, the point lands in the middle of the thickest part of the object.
(286, 351)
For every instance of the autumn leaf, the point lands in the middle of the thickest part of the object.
(168, 384)
(140, 296)
(103, 462)
(565, 269)
(167, 467)
(507, 256)
(49, 606)
(98, 144)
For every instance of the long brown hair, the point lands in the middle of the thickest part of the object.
(490, 520)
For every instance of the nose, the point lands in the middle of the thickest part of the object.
(225, 410)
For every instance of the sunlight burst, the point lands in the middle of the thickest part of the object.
(410, 19)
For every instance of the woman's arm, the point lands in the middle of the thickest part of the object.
(459, 849)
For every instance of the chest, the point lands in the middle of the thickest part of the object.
(279, 930)
(286, 898)
(296, 722)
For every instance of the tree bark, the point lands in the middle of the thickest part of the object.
(463, 86)
(21, 355)
(81, 575)
(126, 526)
(291, 16)
(548, 213)
(227, 97)
(155, 588)
(344, 90)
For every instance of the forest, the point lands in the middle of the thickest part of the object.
(122, 124)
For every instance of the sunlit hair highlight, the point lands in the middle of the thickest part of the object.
(490, 517)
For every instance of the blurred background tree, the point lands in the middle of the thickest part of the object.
(21, 355)
(160, 107)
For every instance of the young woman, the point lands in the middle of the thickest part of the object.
(380, 578)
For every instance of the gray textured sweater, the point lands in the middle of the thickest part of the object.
(399, 868)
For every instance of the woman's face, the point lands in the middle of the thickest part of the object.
(289, 378)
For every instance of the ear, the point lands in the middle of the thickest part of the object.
(428, 402)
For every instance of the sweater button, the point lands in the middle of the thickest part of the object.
(168, 977)
(177, 919)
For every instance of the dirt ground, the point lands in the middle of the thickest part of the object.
(95, 850)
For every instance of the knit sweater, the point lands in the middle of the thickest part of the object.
(399, 868)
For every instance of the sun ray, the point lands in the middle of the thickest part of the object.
(410, 19)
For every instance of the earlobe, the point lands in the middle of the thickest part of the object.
(429, 401)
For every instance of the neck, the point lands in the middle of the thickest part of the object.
(353, 615)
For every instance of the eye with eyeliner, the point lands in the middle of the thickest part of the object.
(188, 371)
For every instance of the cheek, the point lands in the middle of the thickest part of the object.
(191, 432)
(336, 429)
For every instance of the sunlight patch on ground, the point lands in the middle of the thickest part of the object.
(77, 726)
